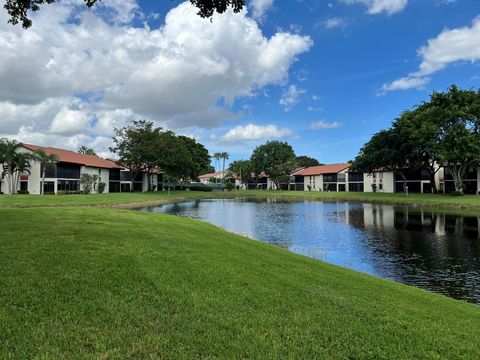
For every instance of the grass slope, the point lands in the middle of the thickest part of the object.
(105, 283)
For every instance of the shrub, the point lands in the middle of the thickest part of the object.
(101, 187)
(87, 181)
(23, 192)
(456, 193)
(374, 187)
(229, 186)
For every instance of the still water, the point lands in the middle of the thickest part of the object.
(431, 250)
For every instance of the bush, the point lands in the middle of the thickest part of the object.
(229, 186)
(456, 193)
(69, 192)
(23, 192)
(101, 187)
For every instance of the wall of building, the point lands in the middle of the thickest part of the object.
(385, 178)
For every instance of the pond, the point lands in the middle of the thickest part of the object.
(431, 250)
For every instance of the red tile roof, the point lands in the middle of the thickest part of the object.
(75, 158)
(322, 169)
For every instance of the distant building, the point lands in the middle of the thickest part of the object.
(65, 174)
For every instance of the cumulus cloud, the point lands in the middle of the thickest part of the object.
(255, 132)
(323, 124)
(450, 46)
(380, 6)
(69, 121)
(260, 7)
(290, 97)
(183, 74)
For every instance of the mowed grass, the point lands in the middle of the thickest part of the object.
(466, 202)
(118, 284)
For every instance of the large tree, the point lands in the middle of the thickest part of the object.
(20, 10)
(307, 161)
(277, 159)
(419, 129)
(201, 163)
(136, 146)
(386, 151)
(458, 113)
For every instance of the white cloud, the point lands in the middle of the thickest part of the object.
(450, 46)
(290, 97)
(334, 22)
(175, 75)
(69, 121)
(323, 124)
(405, 83)
(255, 132)
(260, 7)
(380, 6)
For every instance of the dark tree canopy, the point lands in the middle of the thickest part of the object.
(307, 161)
(277, 159)
(19, 10)
(86, 150)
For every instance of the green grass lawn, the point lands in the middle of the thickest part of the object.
(467, 202)
(114, 284)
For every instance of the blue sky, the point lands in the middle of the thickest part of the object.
(323, 76)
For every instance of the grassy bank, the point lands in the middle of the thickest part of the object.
(106, 283)
(467, 202)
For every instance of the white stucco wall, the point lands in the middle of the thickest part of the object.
(387, 178)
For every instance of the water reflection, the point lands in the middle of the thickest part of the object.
(432, 250)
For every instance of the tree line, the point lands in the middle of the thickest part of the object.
(441, 132)
(276, 159)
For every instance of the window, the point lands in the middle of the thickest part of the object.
(330, 178)
(380, 175)
(125, 188)
(23, 185)
(355, 176)
(380, 186)
(114, 175)
(355, 187)
(68, 171)
(68, 185)
(49, 187)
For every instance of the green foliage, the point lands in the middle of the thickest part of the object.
(86, 150)
(456, 193)
(101, 187)
(306, 161)
(200, 159)
(200, 187)
(277, 159)
(45, 160)
(243, 169)
(87, 181)
(19, 10)
(229, 186)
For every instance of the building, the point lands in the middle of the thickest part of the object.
(333, 177)
(65, 174)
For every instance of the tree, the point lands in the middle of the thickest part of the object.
(243, 169)
(224, 156)
(385, 151)
(217, 156)
(201, 163)
(8, 157)
(19, 10)
(458, 113)
(87, 181)
(306, 161)
(174, 158)
(86, 150)
(277, 159)
(419, 128)
(137, 148)
(45, 161)
(21, 165)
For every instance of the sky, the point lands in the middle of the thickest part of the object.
(322, 75)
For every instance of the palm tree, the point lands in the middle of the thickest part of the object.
(8, 155)
(21, 166)
(45, 160)
(217, 156)
(224, 156)
(86, 150)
